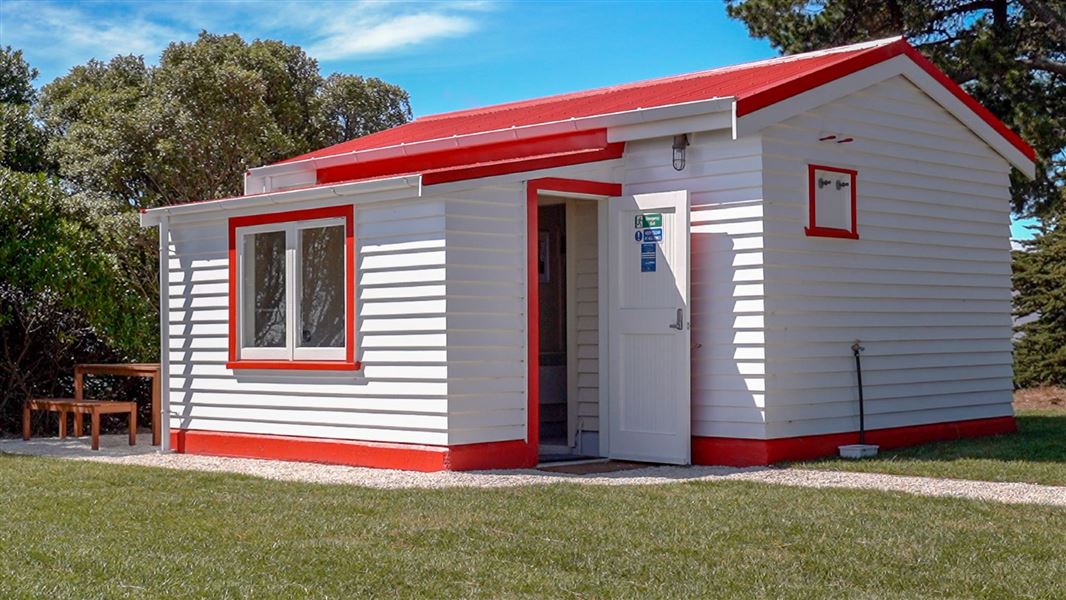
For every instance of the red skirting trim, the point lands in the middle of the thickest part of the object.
(739, 452)
(409, 457)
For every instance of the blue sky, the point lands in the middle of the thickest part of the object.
(449, 55)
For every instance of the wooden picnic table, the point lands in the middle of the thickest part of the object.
(150, 370)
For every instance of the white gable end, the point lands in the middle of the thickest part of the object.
(889, 69)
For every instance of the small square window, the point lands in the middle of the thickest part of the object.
(832, 202)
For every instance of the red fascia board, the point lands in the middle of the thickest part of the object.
(347, 211)
(808, 81)
(985, 114)
(743, 452)
(595, 139)
(505, 167)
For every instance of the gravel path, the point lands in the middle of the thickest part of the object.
(115, 451)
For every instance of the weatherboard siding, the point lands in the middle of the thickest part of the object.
(926, 288)
(487, 301)
(486, 329)
(724, 180)
(487, 364)
(400, 395)
(583, 254)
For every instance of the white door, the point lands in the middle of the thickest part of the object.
(649, 407)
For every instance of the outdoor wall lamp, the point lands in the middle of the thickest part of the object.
(680, 143)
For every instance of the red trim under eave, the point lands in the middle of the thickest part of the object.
(479, 157)
(739, 452)
(520, 165)
(349, 363)
(408, 457)
(811, 80)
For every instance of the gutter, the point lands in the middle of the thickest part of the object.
(618, 119)
(154, 216)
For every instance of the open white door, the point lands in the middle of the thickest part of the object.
(649, 406)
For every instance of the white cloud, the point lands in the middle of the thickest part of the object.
(57, 36)
(346, 39)
(68, 33)
(333, 31)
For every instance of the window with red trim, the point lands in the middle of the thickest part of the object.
(832, 199)
(292, 300)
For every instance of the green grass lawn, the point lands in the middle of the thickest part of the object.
(1036, 454)
(76, 529)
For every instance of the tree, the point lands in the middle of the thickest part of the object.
(1009, 54)
(1040, 288)
(77, 286)
(22, 141)
(79, 281)
(353, 107)
(100, 129)
(189, 128)
(16, 78)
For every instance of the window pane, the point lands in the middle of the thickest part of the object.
(322, 287)
(264, 290)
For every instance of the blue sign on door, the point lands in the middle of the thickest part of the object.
(647, 264)
(653, 235)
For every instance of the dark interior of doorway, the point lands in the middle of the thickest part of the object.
(551, 271)
(551, 267)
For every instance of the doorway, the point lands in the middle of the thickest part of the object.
(568, 285)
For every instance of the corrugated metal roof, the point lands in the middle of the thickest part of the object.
(754, 85)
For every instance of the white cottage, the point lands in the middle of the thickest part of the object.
(672, 271)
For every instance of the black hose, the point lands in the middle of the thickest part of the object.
(856, 349)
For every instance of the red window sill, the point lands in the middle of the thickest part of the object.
(296, 365)
(830, 232)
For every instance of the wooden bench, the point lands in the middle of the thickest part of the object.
(93, 408)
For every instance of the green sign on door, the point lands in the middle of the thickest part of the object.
(648, 220)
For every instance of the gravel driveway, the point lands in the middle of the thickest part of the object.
(115, 451)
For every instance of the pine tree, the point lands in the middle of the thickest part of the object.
(1040, 288)
(1011, 56)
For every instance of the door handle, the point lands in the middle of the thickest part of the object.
(680, 324)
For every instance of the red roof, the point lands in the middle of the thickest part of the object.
(754, 85)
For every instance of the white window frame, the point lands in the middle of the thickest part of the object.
(292, 350)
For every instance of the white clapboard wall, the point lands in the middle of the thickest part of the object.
(724, 180)
(926, 287)
(442, 293)
(401, 393)
(487, 365)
